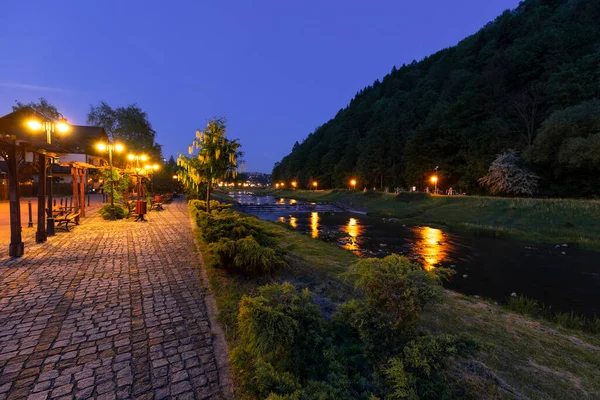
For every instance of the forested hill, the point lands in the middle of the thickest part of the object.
(528, 81)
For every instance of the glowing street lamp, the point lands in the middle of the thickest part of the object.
(315, 184)
(110, 147)
(294, 184)
(434, 180)
(353, 183)
(277, 185)
(49, 127)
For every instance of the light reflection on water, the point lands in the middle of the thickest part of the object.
(353, 229)
(430, 246)
(314, 225)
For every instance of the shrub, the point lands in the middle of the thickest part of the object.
(397, 287)
(246, 255)
(119, 211)
(416, 373)
(281, 333)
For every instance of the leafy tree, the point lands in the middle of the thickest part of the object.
(42, 106)
(216, 158)
(129, 125)
(506, 175)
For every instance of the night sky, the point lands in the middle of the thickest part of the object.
(275, 69)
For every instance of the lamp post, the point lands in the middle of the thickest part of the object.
(150, 170)
(315, 184)
(353, 183)
(137, 158)
(111, 147)
(294, 184)
(48, 126)
(434, 180)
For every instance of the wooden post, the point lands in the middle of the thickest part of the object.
(16, 247)
(75, 187)
(40, 234)
(82, 192)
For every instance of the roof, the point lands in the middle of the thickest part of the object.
(80, 139)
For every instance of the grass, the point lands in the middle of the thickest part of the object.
(555, 221)
(524, 357)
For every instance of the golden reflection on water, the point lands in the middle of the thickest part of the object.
(314, 225)
(293, 221)
(430, 246)
(353, 229)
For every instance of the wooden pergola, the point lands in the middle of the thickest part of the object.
(17, 138)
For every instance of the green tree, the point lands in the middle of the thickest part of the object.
(216, 158)
(42, 106)
(129, 125)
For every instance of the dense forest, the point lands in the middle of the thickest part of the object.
(528, 82)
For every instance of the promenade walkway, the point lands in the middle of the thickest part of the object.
(110, 310)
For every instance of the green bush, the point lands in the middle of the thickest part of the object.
(416, 373)
(281, 333)
(214, 205)
(397, 287)
(246, 255)
(119, 211)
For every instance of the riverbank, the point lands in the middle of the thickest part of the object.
(554, 221)
(522, 357)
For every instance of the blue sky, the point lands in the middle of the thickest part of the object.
(275, 69)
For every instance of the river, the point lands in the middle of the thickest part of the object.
(565, 278)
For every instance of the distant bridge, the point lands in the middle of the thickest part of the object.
(288, 208)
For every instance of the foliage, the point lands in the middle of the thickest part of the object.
(121, 184)
(506, 176)
(129, 125)
(497, 89)
(416, 374)
(238, 243)
(119, 211)
(216, 159)
(43, 107)
(397, 288)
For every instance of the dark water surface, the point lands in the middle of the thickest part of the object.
(564, 278)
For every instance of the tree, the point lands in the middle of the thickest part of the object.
(43, 107)
(217, 157)
(128, 124)
(505, 175)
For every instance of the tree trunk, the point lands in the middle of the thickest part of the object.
(208, 187)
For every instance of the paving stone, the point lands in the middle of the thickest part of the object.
(121, 314)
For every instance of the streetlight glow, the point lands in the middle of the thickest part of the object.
(143, 157)
(119, 147)
(131, 157)
(294, 183)
(62, 126)
(353, 183)
(101, 146)
(34, 125)
(433, 179)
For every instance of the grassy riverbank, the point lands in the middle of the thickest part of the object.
(522, 357)
(555, 221)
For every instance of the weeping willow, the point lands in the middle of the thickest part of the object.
(212, 158)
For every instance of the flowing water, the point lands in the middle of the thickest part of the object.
(564, 278)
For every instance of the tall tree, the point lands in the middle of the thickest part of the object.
(216, 158)
(128, 124)
(42, 106)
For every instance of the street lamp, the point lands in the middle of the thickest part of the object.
(49, 127)
(434, 180)
(110, 147)
(315, 184)
(294, 184)
(353, 183)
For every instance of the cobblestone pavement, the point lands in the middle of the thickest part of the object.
(109, 310)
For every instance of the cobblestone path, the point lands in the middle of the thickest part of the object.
(109, 310)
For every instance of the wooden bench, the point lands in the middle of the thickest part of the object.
(156, 203)
(63, 216)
